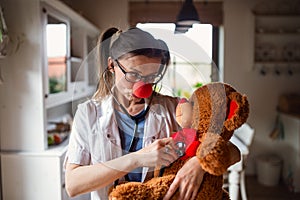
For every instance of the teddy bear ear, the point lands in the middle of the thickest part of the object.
(237, 111)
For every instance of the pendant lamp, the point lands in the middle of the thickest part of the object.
(187, 17)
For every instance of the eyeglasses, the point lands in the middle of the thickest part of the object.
(134, 77)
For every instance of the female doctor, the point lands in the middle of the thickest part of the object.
(123, 132)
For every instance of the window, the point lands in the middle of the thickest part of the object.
(191, 57)
(56, 42)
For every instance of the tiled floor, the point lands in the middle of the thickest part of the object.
(256, 191)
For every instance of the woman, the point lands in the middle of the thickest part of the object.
(123, 132)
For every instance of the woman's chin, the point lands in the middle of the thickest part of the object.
(136, 99)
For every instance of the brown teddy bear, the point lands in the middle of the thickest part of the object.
(217, 109)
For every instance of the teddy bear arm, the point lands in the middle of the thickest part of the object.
(217, 162)
(214, 154)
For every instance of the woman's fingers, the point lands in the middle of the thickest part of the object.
(187, 191)
(160, 152)
(188, 180)
(195, 192)
(170, 151)
(167, 155)
(169, 141)
(174, 186)
(167, 147)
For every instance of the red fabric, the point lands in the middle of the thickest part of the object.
(189, 137)
(191, 150)
(233, 107)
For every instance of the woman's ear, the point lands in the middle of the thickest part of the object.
(110, 65)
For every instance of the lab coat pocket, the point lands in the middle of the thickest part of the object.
(104, 146)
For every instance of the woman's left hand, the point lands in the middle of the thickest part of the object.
(187, 180)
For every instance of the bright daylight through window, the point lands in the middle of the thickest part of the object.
(191, 57)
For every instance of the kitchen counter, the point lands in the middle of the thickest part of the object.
(55, 150)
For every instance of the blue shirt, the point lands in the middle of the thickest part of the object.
(129, 141)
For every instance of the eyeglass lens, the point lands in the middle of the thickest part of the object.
(135, 77)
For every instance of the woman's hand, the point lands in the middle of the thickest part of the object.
(187, 180)
(159, 153)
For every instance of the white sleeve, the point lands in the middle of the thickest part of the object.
(78, 149)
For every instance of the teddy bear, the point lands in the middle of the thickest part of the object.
(208, 120)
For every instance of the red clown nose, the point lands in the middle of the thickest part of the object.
(142, 90)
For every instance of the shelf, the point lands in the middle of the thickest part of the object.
(56, 150)
(276, 15)
(277, 62)
(277, 68)
(297, 116)
(57, 99)
(75, 59)
(75, 17)
(276, 37)
(279, 32)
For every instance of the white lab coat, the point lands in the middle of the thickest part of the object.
(95, 136)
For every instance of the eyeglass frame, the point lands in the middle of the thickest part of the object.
(140, 77)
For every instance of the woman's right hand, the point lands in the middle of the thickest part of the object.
(159, 153)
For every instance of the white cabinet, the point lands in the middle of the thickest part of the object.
(35, 176)
(30, 168)
(25, 97)
(67, 77)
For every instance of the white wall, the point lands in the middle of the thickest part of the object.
(262, 91)
(22, 74)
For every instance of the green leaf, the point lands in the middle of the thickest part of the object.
(179, 92)
(197, 85)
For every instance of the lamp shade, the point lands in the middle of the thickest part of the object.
(187, 17)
